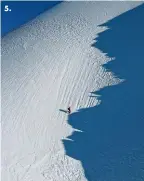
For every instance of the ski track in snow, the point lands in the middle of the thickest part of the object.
(47, 65)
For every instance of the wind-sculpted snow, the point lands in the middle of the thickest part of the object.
(48, 65)
(110, 145)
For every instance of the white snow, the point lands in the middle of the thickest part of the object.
(47, 65)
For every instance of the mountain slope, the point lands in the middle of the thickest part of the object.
(48, 65)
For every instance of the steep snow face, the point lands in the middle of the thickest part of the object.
(48, 65)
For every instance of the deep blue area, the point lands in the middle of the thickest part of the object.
(22, 12)
(111, 146)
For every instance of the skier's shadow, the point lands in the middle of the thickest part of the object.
(62, 110)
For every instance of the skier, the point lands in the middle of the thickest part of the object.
(69, 110)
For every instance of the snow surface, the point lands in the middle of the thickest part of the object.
(48, 65)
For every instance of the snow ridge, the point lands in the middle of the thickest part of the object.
(48, 65)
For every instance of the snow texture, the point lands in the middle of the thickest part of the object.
(48, 65)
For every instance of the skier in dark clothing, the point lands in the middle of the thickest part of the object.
(69, 110)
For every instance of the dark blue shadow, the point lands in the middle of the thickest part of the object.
(111, 146)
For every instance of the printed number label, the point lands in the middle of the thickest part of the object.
(7, 8)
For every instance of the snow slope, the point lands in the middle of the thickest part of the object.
(47, 65)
